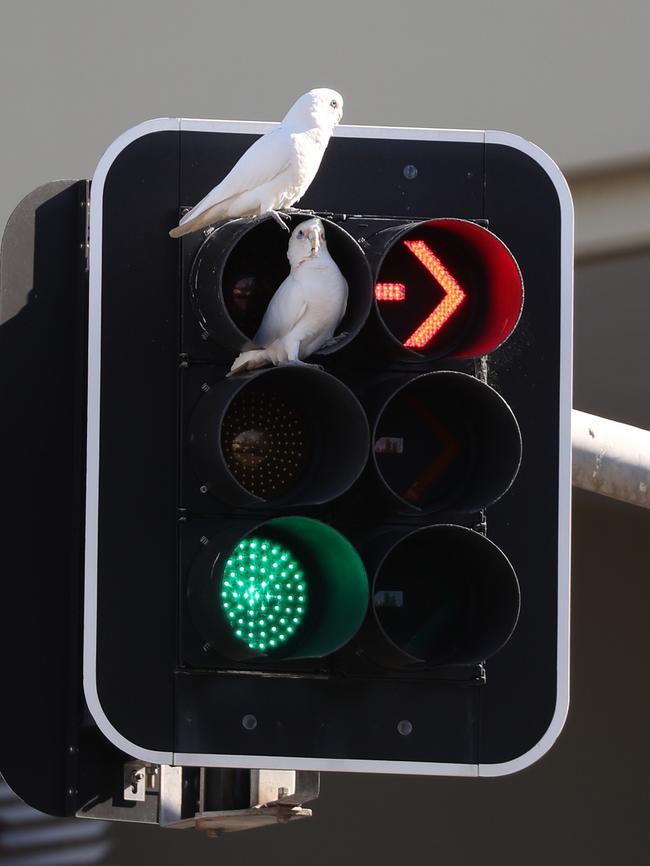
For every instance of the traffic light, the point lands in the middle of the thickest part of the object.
(356, 564)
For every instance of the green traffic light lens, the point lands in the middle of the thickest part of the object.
(263, 594)
(293, 588)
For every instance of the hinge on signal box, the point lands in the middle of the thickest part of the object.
(84, 204)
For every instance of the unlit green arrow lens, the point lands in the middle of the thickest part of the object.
(263, 594)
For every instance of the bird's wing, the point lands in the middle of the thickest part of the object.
(286, 308)
(264, 160)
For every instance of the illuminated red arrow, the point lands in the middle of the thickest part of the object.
(390, 291)
(454, 295)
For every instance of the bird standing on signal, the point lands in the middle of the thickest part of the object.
(275, 172)
(306, 309)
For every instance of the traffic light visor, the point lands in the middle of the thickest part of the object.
(242, 263)
(290, 587)
(443, 594)
(445, 288)
(446, 440)
(286, 435)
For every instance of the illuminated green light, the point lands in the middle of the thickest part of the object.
(263, 596)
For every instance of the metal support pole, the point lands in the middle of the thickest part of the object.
(611, 458)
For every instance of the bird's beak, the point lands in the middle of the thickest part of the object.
(314, 240)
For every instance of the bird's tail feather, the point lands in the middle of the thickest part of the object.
(200, 221)
(179, 231)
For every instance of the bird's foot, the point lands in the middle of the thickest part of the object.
(276, 216)
(334, 341)
(298, 211)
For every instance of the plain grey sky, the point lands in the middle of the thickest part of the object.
(571, 76)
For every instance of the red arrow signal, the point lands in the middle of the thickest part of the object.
(442, 312)
(390, 291)
(439, 465)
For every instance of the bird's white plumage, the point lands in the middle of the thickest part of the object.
(265, 160)
(277, 169)
(305, 311)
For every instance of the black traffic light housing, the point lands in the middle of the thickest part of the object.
(462, 427)
(434, 442)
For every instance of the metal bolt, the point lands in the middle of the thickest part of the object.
(404, 727)
(410, 172)
(205, 387)
(249, 722)
(203, 488)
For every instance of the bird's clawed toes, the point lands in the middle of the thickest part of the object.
(276, 216)
(297, 211)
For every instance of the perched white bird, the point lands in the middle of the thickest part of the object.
(307, 307)
(276, 170)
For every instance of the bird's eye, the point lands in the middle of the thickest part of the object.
(300, 234)
(334, 103)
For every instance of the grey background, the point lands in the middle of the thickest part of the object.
(571, 76)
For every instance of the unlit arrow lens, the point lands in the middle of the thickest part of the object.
(446, 440)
